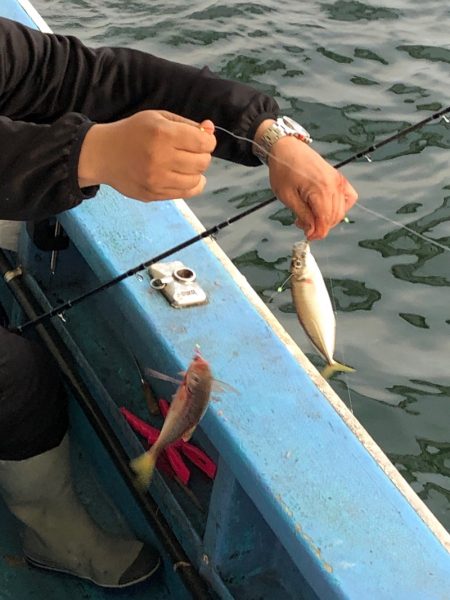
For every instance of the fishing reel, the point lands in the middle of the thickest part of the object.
(178, 284)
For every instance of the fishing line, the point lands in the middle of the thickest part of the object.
(410, 230)
(419, 235)
(363, 153)
(343, 347)
(215, 228)
(279, 289)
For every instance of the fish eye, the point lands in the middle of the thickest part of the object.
(298, 263)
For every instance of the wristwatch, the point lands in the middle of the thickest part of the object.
(282, 127)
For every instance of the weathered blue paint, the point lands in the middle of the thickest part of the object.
(342, 521)
(299, 504)
(12, 9)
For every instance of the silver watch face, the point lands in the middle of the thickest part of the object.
(283, 126)
(293, 128)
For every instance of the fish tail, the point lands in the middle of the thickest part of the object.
(335, 367)
(143, 466)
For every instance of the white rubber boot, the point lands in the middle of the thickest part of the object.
(59, 534)
(9, 234)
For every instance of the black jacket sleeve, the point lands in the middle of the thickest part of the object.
(52, 89)
(39, 167)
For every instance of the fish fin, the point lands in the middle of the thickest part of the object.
(188, 434)
(144, 466)
(335, 367)
(221, 386)
(162, 376)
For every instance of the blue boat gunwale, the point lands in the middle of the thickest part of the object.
(33, 15)
(325, 388)
(74, 225)
(110, 247)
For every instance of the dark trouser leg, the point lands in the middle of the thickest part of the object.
(33, 403)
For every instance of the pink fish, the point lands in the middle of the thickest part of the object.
(188, 406)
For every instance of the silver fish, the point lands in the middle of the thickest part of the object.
(188, 406)
(313, 306)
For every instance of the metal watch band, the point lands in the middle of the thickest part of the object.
(283, 126)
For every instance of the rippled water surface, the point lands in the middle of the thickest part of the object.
(351, 72)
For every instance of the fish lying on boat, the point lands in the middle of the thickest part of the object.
(188, 406)
(313, 305)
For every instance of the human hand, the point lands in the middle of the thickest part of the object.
(316, 192)
(152, 155)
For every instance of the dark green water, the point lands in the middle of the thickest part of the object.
(351, 72)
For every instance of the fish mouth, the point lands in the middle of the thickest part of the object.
(300, 252)
(201, 368)
(300, 248)
(200, 362)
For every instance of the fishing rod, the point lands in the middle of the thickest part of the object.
(215, 229)
(192, 580)
(395, 136)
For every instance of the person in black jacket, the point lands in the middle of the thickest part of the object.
(72, 118)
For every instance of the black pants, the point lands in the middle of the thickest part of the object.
(33, 402)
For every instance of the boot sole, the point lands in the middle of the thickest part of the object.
(36, 563)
